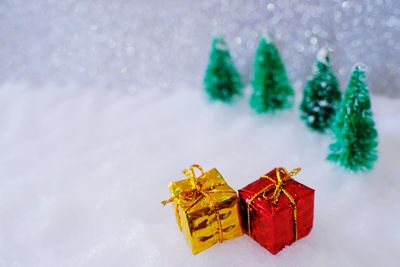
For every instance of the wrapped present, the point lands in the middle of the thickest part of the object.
(277, 210)
(206, 208)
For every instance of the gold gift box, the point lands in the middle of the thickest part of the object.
(206, 209)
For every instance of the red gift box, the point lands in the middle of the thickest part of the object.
(277, 210)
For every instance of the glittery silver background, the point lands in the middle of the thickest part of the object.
(135, 45)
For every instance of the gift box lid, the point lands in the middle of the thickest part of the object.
(210, 181)
(264, 203)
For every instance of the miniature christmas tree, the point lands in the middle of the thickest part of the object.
(355, 147)
(321, 95)
(222, 81)
(271, 88)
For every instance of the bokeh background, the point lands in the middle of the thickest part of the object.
(141, 45)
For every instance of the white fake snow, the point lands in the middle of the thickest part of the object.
(322, 55)
(83, 173)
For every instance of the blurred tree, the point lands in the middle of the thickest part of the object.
(271, 88)
(355, 145)
(222, 81)
(321, 95)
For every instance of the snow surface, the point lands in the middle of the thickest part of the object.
(83, 173)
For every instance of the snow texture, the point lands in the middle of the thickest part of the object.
(323, 55)
(83, 173)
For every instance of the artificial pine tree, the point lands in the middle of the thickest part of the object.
(321, 95)
(221, 81)
(355, 146)
(271, 88)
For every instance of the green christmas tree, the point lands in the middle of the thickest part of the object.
(355, 147)
(271, 88)
(221, 81)
(321, 95)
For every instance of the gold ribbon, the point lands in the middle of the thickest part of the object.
(197, 190)
(277, 185)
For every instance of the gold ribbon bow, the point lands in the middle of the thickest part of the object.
(198, 192)
(277, 185)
